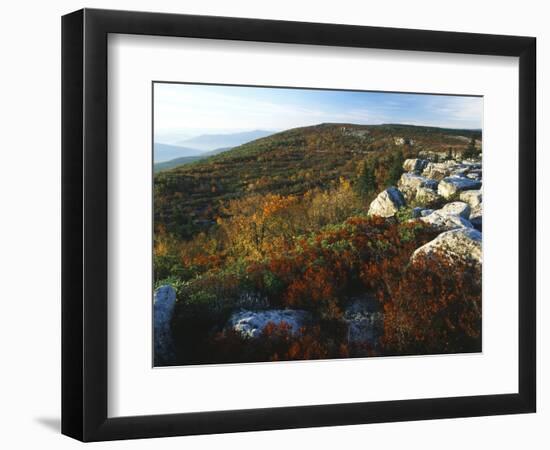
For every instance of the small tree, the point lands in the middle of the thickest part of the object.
(366, 182)
(471, 151)
(395, 169)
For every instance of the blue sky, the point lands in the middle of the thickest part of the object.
(185, 110)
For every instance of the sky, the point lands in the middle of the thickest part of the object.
(186, 110)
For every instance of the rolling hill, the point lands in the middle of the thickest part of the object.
(189, 197)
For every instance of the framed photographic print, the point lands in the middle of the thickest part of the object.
(273, 224)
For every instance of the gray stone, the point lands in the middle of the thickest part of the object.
(364, 318)
(474, 175)
(251, 324)
(446, 221)
(459, 171)
(473, 197)
(461, 209)
(163, 309)
(414, 165)
(450, 186)
(426, 212)
(476, 216)
(463, 243)
(410, 182)
(387, 203)
(439, 170)
(427, 196)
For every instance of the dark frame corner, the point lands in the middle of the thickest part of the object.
(84, 224)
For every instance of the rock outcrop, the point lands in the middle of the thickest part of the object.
(163, 309)
(473, 198)
(414, 165)
(476, 216)
(410, 183)
(445, 221)
(457, 209)
(463, 243)
(364, 318)
(387, 203)
(427, 197)
(438, 170)
(250, 324)
(450, 186)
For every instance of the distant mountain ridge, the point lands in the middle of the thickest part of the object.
(166, 152)
(208, 142)
(170, 164)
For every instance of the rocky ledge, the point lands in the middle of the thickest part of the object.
(446, 195)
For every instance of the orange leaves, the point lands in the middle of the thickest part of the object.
(435, 307)
(315, 285)
(276, 203)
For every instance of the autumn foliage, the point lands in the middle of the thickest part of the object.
(310, 247)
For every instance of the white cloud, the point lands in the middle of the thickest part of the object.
(186, 109)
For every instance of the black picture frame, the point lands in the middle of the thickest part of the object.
(84, 224)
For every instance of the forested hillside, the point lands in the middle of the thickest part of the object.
(189, 198)
(322, 242)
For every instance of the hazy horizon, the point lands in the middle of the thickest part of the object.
(185, 111)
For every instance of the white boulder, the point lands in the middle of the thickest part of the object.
(163, 309)
(387, 203)
(452, 185)
(461, 209)
(251, 324)
(446, 221)
(414, 165)
(464, 244)
(473, 197)
(427, 196)
(439, 170)
(410, 182)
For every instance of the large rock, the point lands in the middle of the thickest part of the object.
(476, 216)
(365, 320)
(410, 182)
(426, 212)
(475, 175)
(450, 186)
(459, 171)
(415, 181)
(461, 209)
(417, 212)
(387, 203)
(473, 197)
(463, 244)
(472, 165)
(427, 197)
(163, 309)
(446, 221)
(414, 165)
(251, 324)
(439, 170)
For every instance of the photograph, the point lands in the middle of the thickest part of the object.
(308, 224)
